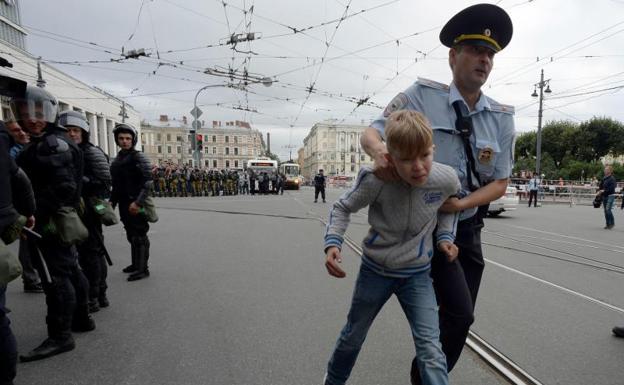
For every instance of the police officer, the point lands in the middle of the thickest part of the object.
(319, 186)
(16, 195)
(96, 184)
(54, 165)
(131, 185)
(473, 134)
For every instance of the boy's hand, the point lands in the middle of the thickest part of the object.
(449, 249)
(332, 259)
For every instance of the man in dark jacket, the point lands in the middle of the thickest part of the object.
(131, 173)
(16, 195)
(607, 190)
(54, 165)
(96, 185)
(319, 186)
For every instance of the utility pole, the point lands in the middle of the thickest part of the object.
(123, 112)
(538, 151)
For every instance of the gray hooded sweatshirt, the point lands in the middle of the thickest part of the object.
(399, 242)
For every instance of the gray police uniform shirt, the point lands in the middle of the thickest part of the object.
(492, 138)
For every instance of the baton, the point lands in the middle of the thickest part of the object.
(43, 262)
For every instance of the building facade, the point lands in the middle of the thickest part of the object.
(227, 146)
(335, 148)
(102, 109)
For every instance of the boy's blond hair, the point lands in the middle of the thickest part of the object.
(408, 134)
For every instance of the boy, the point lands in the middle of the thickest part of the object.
(398, 248)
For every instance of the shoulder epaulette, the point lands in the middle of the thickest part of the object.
(432, 84)
(504, 108)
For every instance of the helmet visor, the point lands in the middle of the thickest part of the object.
(36, 110)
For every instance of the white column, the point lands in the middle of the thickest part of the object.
(101, 128)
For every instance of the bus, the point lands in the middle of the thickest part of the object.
(260, 165)
(290, 170)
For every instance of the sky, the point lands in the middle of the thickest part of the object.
(328, 60)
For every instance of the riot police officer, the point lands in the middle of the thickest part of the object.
(12, 179)
(319, 186)
(54, 165)
(96, 186)
(131, 173)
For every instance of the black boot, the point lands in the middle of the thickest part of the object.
(132, 267)
(82, 321)
(94, 306)
(103, 300)
(50, 347)
(142, 255)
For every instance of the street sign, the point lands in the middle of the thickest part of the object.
(196, 112)
(196, 125)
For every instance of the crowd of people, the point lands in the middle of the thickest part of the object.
(57, 190)
(171, 180)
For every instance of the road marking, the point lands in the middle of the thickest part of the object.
(555, 240)
(562, 288)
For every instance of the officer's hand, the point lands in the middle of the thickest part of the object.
(332, 259)
(134, 208)
(449, 249)
(383, 169)
(452, 205)
(30, 222)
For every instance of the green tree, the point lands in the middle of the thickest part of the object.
(558, 138)
(525, 146)
(599, 137)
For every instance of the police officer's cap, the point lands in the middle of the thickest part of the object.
(482, 24)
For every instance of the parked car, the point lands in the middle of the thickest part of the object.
(507, 202)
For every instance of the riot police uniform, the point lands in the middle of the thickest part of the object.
(479, 154)
(16, 195)
(130, 172)
(319, 186)
(96, 184)
(54, 165)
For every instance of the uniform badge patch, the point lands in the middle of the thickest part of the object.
(398, 103)
(485, 155)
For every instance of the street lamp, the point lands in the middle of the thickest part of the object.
(541, 85)
(196, 112)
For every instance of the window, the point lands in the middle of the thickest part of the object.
(160, 149)
(235, 164)
(352, 158)
(168, 149)
(188, 138)
(352, 168)
(227, 164)
(333, 156)
(206, 163)
(158, 137)
(214, 151)
(168, 137)
(342, 156)
(227, 150)
(206, 150)
(190, 151)
(178, 150)
(236, 151)
(179, 138)
(214, 139)
(227, 139)
(362, 158)
(214, 163)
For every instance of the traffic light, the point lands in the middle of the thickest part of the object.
(200, 142)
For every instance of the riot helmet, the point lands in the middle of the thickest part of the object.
(75, 119)
(35, 110)
(125, 128)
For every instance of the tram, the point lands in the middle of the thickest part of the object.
(290, 170)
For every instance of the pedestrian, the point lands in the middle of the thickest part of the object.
(130, 172)
(96, 185)
(396, 257)
(16, 199)
(30, 277)
(533, 188)
(319, 185)
(473, 134)
(607, 191)
(54, 165)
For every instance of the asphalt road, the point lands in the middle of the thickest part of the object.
(239, 295)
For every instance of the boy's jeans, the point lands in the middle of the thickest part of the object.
(608, 206)
(417, 298)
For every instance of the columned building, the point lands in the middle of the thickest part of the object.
(335, 148)
(225, 145)
(102, 109)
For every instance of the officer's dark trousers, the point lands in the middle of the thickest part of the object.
(67, 294)
(8, 345)
(533, 198)
(29, 274)
(91, 257)
(318, 189)
(456, 285)
(136, 232)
